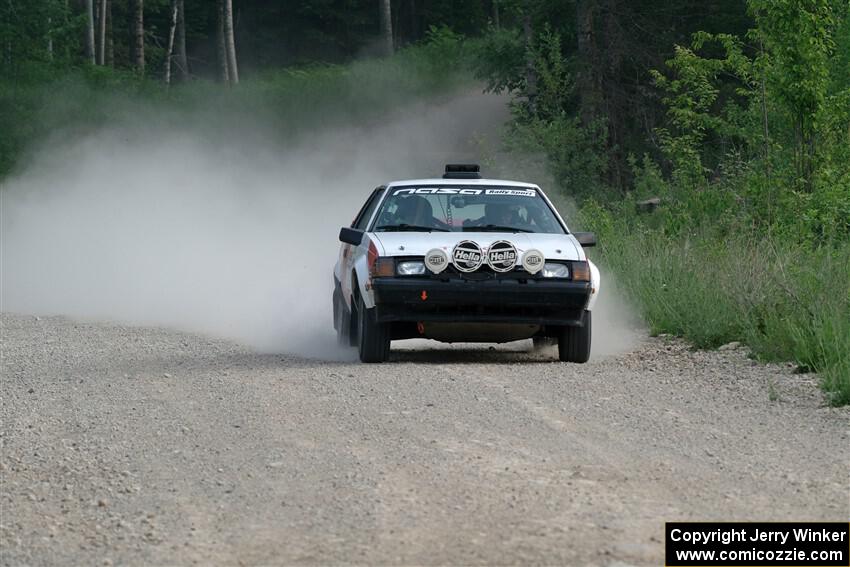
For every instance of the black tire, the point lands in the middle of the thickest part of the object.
(373, 337)
(574, 342)
(342, 321)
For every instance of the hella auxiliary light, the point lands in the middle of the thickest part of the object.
(533, 261)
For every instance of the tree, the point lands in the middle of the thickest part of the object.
(229, 41)
(110, 39)
(172, 29)
(49, 38)
(90, 55)
(101, 33)
(137, 35)
(798, 40)
(387, 26)
(221, 47)
(182, 58)
(530, 71)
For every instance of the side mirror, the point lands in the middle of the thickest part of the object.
(586, 239)
(350, 236)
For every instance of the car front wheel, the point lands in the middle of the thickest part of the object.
(373, 337)
(574, 342)
(342, 321)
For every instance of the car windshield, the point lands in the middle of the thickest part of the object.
(466, 209)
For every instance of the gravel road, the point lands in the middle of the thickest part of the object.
(124, 445)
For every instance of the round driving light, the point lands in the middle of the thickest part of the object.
(436, 260)
(532, 261)
(502, 256)
(467, 256)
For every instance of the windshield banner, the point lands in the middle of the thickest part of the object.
(456, 191)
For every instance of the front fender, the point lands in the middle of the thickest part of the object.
(595, 284)
(361, 270)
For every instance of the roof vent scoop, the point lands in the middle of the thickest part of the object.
(462, 171)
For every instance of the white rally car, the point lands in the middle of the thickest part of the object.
(463, 259)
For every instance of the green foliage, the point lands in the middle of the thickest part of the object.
(564, 149)
(706, 101)
(269, 35)
(752, 241)
(442, 53)
(762, 134)
(544, 136)
(37, 31)
(499, 60)
(798, 39)
(278, 103)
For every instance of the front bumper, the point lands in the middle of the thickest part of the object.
(532, 301)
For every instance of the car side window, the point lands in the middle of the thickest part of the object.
(366, 212)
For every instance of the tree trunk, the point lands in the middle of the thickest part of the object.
(530, 73)
(413, 21)
(90, 31)
(589, 96)
(96, 32)
(101, 33)
(110, 40)
(230, 43)
(224, 76)
(387, 26)
(496, 14)
(49, 38)
(613, 101)
(138, 35)
(182, 59)
(169, 51)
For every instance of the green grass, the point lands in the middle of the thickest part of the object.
(785, 301)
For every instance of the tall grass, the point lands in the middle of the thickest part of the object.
(786, 300)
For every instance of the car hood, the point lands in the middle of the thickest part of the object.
(553, 246)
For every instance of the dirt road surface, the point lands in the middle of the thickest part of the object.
(125, 445)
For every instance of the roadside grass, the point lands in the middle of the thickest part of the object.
(785, 300)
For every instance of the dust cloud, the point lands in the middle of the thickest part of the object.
(234, 238)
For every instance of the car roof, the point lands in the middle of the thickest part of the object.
(456, 182)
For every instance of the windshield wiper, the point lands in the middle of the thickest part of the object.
(494, 228)
(409, 228)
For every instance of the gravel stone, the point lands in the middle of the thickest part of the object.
(461, 455)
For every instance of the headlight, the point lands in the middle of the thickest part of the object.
(414, 268)
(551, 270)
